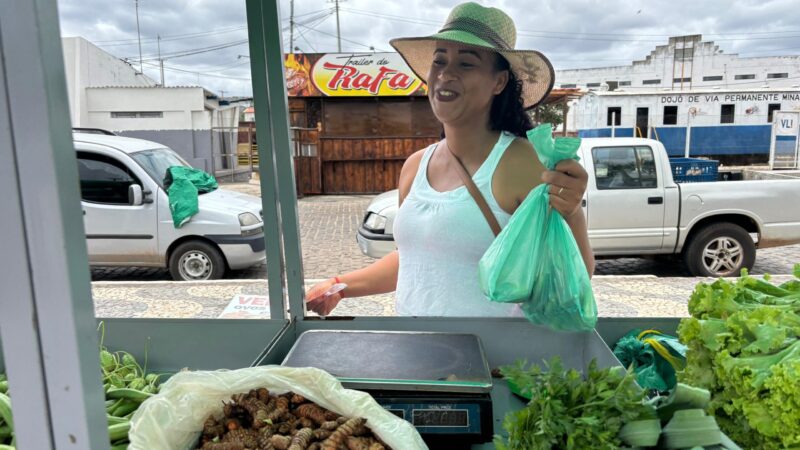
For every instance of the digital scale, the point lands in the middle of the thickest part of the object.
(440, 382)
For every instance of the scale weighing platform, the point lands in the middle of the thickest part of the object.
(440, 382)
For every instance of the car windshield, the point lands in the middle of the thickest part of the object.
(156, 162)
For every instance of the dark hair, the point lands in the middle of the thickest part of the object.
(508, 111)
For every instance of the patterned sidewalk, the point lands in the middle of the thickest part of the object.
(617, 296)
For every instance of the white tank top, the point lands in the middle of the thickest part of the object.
(440, 237)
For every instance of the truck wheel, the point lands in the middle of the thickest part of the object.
(196, 260)
(720, 250)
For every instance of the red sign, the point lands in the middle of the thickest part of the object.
(350, 75)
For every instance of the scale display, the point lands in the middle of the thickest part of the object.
(440, 417)
(437, 418)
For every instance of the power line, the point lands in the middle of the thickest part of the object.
(302, 34)
(318, 18)
(572, 35)
(347, 40)
(216, 30)
(175, 37)
(308, 27)
(196, 51)
(205, 74)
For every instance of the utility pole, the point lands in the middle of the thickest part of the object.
(338, 31)
(139, 35)
(291, 25)
(160, 61)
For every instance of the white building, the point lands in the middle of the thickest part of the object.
(734, 126)
(686, 63)
(108, 93)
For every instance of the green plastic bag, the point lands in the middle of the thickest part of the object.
(655, 358)
(183, 185)
(535, 260)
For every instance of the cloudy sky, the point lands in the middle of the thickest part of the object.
(204, 41)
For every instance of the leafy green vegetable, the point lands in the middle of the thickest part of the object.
(744, 347)
(567, 410)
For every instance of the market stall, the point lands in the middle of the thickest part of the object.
(406, 364)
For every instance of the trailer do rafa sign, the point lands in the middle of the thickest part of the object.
(350, 75)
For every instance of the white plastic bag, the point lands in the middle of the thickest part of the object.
(173, 419)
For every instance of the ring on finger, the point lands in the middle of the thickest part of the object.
(560, 191)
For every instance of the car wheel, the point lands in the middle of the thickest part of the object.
(196, 261)
(720, 250)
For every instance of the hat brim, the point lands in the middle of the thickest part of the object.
(532, 68)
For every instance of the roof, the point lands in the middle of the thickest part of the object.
(557, 95)
(145, 87)
(616, 141)
(699, 90)
(123, 144)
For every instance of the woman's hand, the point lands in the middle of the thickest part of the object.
(567, 186)
(318, 302)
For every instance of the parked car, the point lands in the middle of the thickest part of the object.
(634, 208)
(128, 220)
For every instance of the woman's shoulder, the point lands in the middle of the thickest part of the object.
(409, 172)
(518, 172)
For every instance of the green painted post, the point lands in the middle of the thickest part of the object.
(269, 90)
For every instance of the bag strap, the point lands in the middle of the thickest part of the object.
(476, 194)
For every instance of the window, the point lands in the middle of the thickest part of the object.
(651, 82)
(771, 109)
(624, 168)
(778, 75)
(713, 78)
(156, 162)
(682, 80)
(104, 179)
(614, 115)
(745, 77)
(684, 54)
(727, 113)
(624, 83)
(592, 85)
(568, 86)
(670, 115)
(137, 114)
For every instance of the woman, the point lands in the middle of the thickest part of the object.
(479, 88)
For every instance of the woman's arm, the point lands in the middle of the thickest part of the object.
(519, 173)
(577, 223)
(379, 277)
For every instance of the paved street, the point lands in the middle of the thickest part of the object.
(328, 227)
(617, 296)
(628, 287)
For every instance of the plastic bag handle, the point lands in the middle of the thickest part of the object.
(476, 194)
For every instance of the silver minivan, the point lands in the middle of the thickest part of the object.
(128, 220)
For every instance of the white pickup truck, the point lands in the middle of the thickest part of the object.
(635, 208)
(128, 220)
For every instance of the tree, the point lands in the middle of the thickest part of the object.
(552, 114)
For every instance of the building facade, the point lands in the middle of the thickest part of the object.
(733, 126)
(108, 93)
(686, 63)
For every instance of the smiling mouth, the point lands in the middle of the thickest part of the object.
(446, 95)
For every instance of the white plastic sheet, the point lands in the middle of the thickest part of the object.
(174, 418)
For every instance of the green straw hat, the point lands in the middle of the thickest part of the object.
(485, 28)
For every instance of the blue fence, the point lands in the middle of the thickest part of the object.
(705, 141)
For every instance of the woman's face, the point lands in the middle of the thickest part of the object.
(462, 82)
